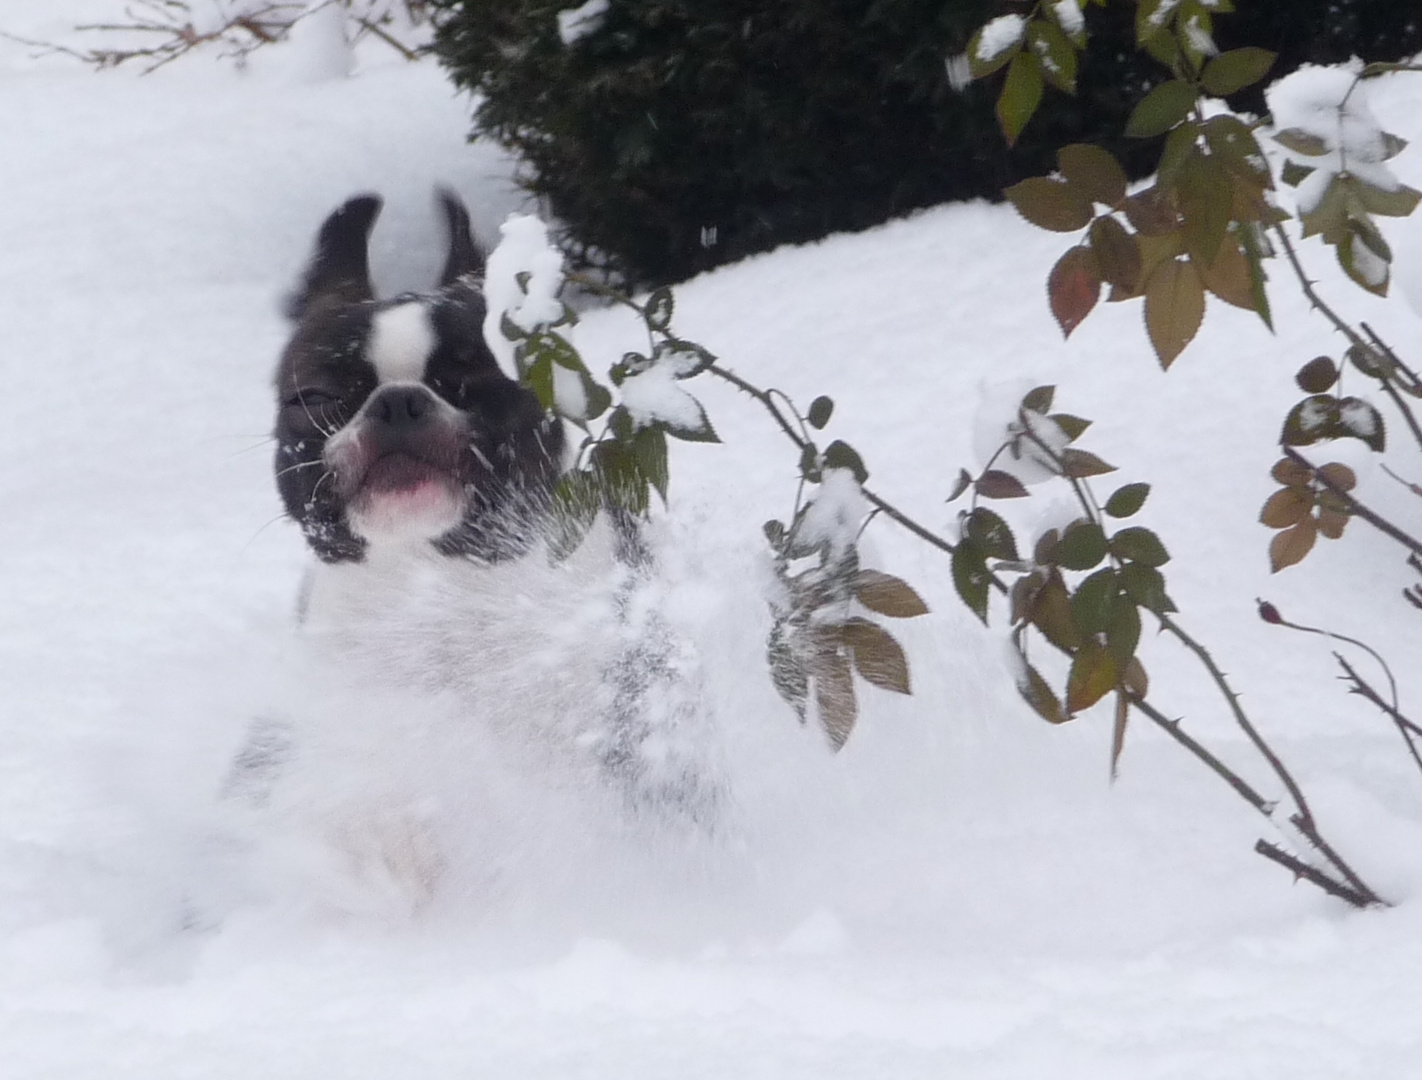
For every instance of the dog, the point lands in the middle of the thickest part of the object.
(422, 479)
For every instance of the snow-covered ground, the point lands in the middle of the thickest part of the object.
(960, 892)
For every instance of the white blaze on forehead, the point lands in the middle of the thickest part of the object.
(401, 340)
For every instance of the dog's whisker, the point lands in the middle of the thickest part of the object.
(300, 465)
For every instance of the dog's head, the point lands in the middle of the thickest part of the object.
(395, 424)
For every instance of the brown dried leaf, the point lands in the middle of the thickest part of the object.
(1339, 475)
(1118, 253)
(1174, 308)
(1290, 473)
(1286, 508)
(1228, 276)
(1073, 287)
(878, 658)
(1038, 693)
(1152, 212)
(1135, 679)
(1051, 613)
(1331, 523)
(1082, 463)
(834, 696)
(996, 484)
(1118, 730)
(888, 595)
(1291, 545)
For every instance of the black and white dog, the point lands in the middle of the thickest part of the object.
(421, 476)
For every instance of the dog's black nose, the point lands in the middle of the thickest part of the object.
(400, 406)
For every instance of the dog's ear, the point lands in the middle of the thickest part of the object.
(465, 257)
(340, 269)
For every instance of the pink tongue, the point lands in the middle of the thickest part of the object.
(399, 472)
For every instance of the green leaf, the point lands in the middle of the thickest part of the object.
(1050, 204)
(990, 532)
(1073, 426)
(1039, 399)
(887, 595)
(1153, 17)
(649, 447)
(1021, 94)
(1093, 675)
(1160, 110)
(1073, 287)
(539, 378)
(1314, 418)
(1123, 633)
(840, 455)
(1083, 546)
(1396, 203)
(878, 658)
(1294, 174)
(1207, 203)
(1174, 308)
(658, 310)
(1232, 71)
(1301, 142)
(1360, 420)
(576, 501)
(1055, 54)
(1094, 172)
(980, 68)
(1254, 256)
(1127, 500)
(1145, 585)
(1139, 545)
(970, 577)
(1091, 603)
(821, 409)
(702, 432)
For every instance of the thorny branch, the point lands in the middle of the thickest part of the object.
(1373, 518)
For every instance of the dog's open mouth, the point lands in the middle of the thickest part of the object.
(401, 473)
(403, 493)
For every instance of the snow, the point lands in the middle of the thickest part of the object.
(1329, 103)
(1069, 16)
(999, 35)
(960, 892)
(655, 394)
(524, 248)
(574, 24)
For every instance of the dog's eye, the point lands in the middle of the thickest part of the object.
(311, 399)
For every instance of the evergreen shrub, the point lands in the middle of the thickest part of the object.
(670, 136)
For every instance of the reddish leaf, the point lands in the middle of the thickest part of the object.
(996, 484)
(1073, 288)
